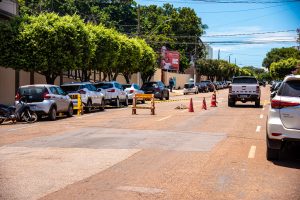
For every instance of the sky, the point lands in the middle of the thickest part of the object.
(281, 17)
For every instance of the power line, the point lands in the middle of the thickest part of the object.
(228, 2)
(245, 10)
(241, 34)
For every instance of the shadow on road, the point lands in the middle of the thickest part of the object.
(289, 157)
(246, 106)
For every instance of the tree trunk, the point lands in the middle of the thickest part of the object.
(127, 77)
(50, 78)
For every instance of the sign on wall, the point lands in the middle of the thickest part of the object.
(170, 59)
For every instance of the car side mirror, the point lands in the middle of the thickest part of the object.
(99, 90)
(273, 94)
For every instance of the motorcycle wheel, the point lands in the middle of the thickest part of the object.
(29, 116)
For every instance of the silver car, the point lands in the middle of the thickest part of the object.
(113, 92)
(90, 97)
(283, 125)
(46, 99)
(131, 90)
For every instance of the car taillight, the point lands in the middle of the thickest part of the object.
(230, 89)
(276, 134)
(257, 89)
(131, 91)
(46, 95)
(17, 97)
(277, 104)
(111, 90)
(82, 92)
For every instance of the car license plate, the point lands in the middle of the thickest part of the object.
(243, 96)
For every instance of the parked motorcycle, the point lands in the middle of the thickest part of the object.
(21, 112)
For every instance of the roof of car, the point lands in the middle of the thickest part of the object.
(292, 77)
(38, 85)
(76, 83)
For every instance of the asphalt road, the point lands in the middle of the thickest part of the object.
(217, 153)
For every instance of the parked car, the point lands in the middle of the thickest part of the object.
(190, 88)
(45, 99)
(131, 90)
(283, 124)
(202, 87)
(90, 97)
(157, 88)
(114, 93)
(210, 85)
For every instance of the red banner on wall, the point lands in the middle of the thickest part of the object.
(170, 59)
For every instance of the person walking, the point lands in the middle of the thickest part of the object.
(171, 84)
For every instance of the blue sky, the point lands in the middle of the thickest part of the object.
(236, 18)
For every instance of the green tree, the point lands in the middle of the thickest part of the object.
(278, 54)
(279, 70)
(53, 44)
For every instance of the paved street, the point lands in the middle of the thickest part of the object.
(217, 153)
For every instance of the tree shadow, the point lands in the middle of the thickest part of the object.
(246, 106)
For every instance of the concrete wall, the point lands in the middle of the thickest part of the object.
(7, 81)
(7, 86)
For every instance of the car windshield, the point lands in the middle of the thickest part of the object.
(188, 85)
(290, 89)
(150, 84)
(126, 86)
(31, 90)
(70, 88)
(245, 80)
(104, 85)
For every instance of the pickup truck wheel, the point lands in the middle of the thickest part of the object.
(88, 107)
(272, 154)
(257, 103)
(52, 114)
(231, 103)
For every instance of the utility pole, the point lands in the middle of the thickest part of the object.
(235, 61)
(195, 58)
(229, 58)
(219, 54)
(138, 34)
(298, 39)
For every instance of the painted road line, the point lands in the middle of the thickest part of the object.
(258, 128)
(23, 127)
(164, 118)
(261, 116)
(251, 153)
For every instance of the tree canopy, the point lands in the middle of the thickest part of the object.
(278, 70)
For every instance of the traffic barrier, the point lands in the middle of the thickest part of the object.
(213, 100)
(79, 106)
(204, 107)
(191, 107)
(143, 97)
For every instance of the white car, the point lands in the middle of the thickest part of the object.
(90, 97)
(283, 125)
(190, 88)
(131, 90)
(113, 92)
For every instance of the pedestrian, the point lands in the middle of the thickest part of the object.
(171, 84)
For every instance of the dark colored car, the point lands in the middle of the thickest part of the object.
(210, 85)
(157, 88)
(202, 87)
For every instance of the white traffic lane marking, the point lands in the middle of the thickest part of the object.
(261, 116)
(164, 118)
(23, 127)
(258, 128)
(251, 153)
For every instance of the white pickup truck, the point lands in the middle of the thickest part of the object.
(244, 89)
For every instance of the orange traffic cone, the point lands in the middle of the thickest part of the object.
(191, 107)
(213, 100)
(204, 104)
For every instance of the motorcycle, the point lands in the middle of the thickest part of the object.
(21, 112)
